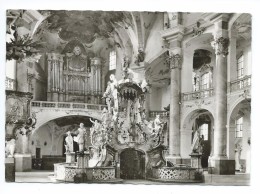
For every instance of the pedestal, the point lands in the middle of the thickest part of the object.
(195, 160)
(70, 157)
(83, 159)
(23, 162)
(9, 170)
(221, 166)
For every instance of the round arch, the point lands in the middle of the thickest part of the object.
(193, 120)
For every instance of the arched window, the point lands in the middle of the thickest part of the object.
(240, 67)
(205, 80)
(204, 130)
(239, 127)
(112, 60)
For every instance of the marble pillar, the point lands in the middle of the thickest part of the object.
(174, 37)
(219, 161)
(174, 130)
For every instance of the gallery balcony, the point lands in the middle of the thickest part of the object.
(240, 84)
(66, 105)
(198, 94)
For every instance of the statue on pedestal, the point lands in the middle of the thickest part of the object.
(238, 150)
(9, 148)
(80, 138)
(69, 143)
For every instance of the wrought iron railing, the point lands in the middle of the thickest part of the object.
(198, 94)
(67, 105)
(240, 83)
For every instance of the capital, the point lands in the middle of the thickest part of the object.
(220, 44)
(174, 60)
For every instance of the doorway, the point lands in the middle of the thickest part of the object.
(132, 164)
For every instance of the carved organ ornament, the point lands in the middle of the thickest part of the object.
(73, 77)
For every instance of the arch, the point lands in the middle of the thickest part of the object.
(41, 122)
(193, 110)
(233, 106)
(132, 163)
(188, 132)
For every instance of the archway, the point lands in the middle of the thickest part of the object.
(132, 164)
(48, 139)
(240, 135)
(199, 124)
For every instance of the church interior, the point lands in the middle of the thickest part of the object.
(117, 96)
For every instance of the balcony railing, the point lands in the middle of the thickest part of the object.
(10, 84)
(197, 95)
(161, 113)
(240, 83)
(67, 105)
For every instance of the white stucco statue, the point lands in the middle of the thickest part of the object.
(157, 123)
(113, 87)
(98, 157)
(238, 149)
(80, 138)
(9, 148)
(108, 95)
(69, 143)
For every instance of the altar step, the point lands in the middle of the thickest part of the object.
(240, 179)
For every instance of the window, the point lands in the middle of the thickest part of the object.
(205, 81)
(204, 130)
(240, 67)
(239, 127)
(112, 60)
(196, 80)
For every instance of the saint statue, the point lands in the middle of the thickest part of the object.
(9, 148)
(114, 86)
(157, 123)
(108, 96)
(80, 139)
(238, 149)
(69, 143)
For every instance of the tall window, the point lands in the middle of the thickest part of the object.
(240, 67)
(112, 60)
(204, 130)
(239, 127)
(205, 81)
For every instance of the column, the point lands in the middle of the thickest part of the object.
(174, 36)
(221, 164)
(174, 130)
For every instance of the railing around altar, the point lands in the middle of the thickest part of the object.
(240, 83)
(65, 105)
(198, 94)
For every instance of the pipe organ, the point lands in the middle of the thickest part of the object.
(72, 79)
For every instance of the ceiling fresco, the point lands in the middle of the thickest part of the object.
(84, 25)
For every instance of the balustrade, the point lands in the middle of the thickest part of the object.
(197, 95)
(240, 83)
(44, 104)
(161, 113)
